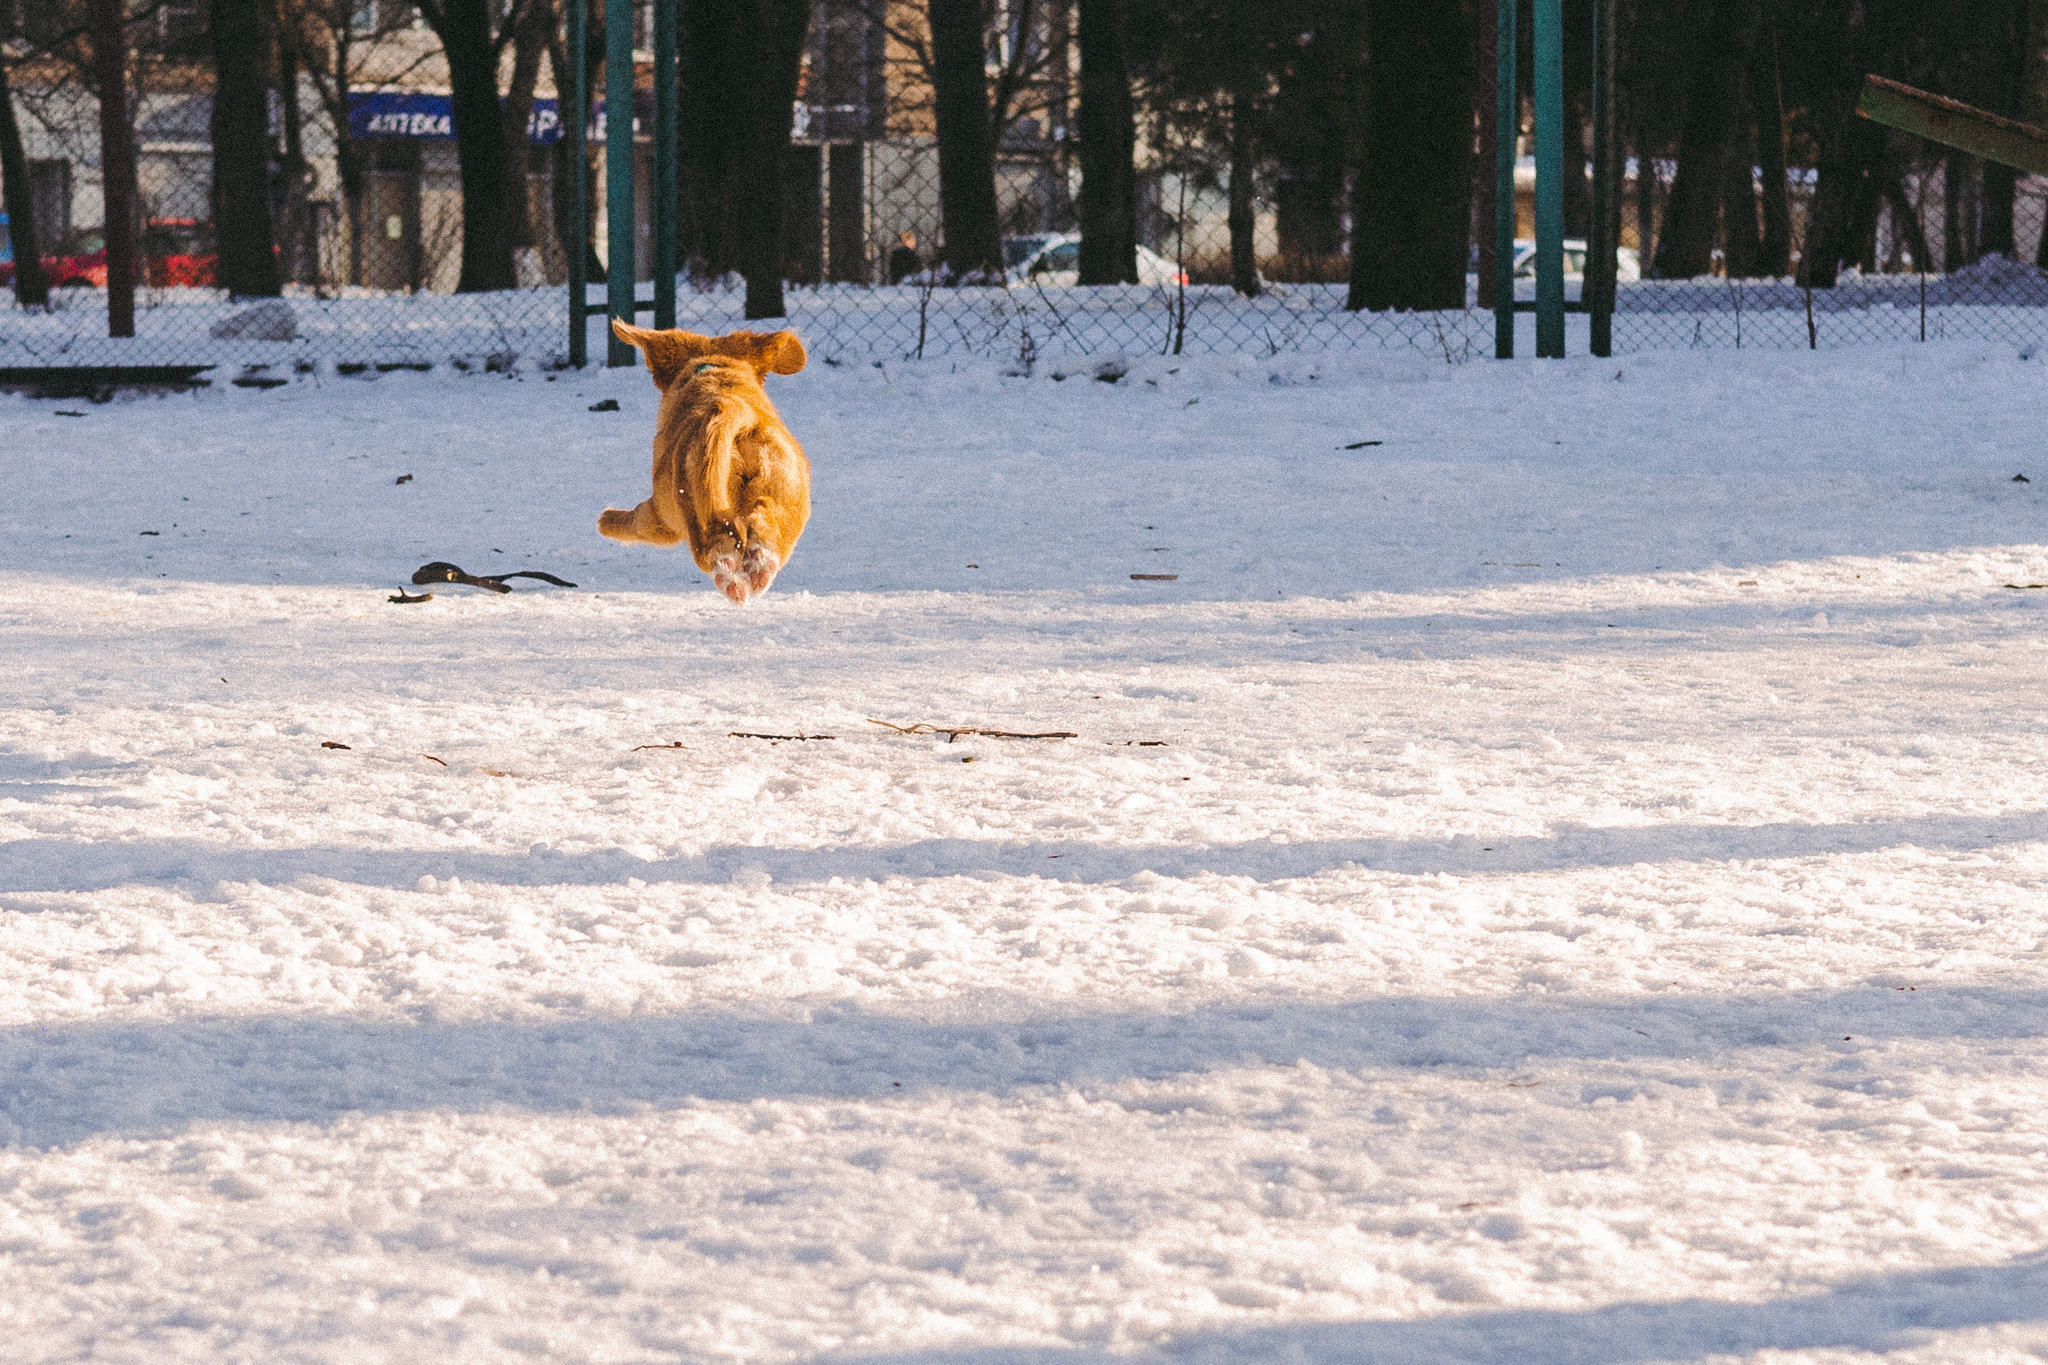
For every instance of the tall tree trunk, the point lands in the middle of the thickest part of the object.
(1741, 242)
(2034, 89)
(108, 21)
(2007, 23)
(530, 38)
(1244, 267)
(1774, 255)
(1578, 186)
(241, 152)
(348, 168)
(1958, 220)
(1713, 109)
(1906, 222)
(31, 286)
(776, 52)
(1410, 234)
(300, 264)
(465, 31)
(1109, 187)
(1852, 155)
(562, 181)
(1646, 197)
(710, 125)
(967, 163)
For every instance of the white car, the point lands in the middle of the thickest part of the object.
(1053, 259)
(1628, 267)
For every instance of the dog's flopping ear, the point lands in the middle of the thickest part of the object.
(772, 352)
(667, 352)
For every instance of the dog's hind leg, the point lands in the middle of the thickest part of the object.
(760, 565)
(641, 524)
(725, 561)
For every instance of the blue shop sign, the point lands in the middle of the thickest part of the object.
(432, 117)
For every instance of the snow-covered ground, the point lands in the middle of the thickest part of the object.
(1566, 884)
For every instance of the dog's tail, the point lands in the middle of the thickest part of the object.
(722, 432)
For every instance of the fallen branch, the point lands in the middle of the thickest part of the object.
(953, 732)
(672, 744)
(749, 734)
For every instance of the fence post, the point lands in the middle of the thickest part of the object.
(576, 110)
(665, 163)
(1507, 133)
(1598, 290)
(1549, 63)
(618, 174)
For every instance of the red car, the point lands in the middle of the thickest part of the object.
(174, 253)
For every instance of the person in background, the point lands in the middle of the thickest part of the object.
(903, 259)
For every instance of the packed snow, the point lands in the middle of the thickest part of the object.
(1565, 883)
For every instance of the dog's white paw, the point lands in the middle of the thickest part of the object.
(729, 576)
(760, 567)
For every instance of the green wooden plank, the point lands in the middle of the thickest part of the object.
(1507, 129)
(664, 164)
(1954, 124)
(574, 112)
(620, 237)
(1548, 37)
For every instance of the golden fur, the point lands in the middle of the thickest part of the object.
(728, 476)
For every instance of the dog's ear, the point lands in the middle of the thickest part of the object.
(667, 352)
(775, 353)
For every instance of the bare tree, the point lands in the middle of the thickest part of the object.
(1022, 66)
(1713, 116)
(241, 151)
(471, 49)
(967, 160)
(532, 25)
(337, 55)
(1411, 235)
(31, 287)
(1108, 126)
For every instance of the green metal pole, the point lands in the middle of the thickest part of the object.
(1549, 55)
(1605, 235)
(618, 173)
(1508, 129)
(575, 109)
(665, 163)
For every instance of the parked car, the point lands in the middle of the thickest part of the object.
(172, 253)
(178, 253)
(1053, 259)
(1628, 267)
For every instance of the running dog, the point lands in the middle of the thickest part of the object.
(728, 476)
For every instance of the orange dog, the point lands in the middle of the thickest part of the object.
(728, 476)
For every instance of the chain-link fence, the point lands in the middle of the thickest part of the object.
(372, 255)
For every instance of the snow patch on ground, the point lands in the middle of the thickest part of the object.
(1569, 883)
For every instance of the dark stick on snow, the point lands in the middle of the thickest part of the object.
(748, 734)
(953, 732)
